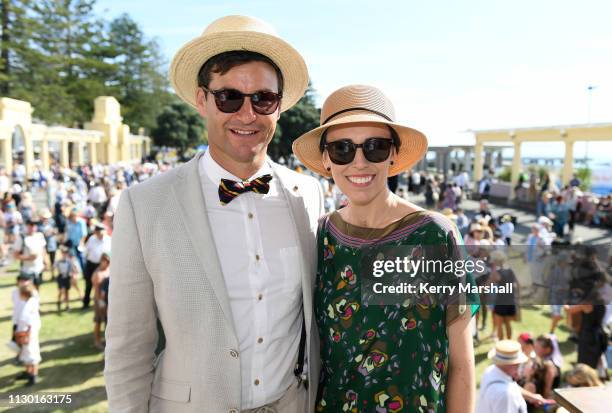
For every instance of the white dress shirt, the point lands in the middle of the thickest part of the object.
(499, 393)
(95, 247)
(257, 247)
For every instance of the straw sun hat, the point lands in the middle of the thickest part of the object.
(238, 33)
(507, 352)
(358, 104)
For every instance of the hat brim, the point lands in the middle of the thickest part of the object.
(190, 58)
(412, 149)
(520, 359)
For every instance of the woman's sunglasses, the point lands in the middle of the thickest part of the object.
(231, 100)
(374, 149)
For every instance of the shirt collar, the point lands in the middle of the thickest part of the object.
(502, 375)
(215, 172)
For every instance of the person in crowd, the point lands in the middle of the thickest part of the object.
(463, 222)
(97, 244)
(583, 375)
(498, 240)
(100, 309)
(67, 269)
(176, 239)
(18, 303)
(527, 368)
(547, 372)
(98, 198)
(29, 249)
(432, 193)
(13, 222)
(27, 333)
(484, 211)
(506, 307)
(507, 228)
(49, 230)
(499, 391)
(558, 284)
(76, 231)
(359, 147)
(559, 212)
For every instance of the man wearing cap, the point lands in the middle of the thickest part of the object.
(499, 392)
(220, 251)
(95, 246)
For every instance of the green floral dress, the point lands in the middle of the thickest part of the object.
(376, 358)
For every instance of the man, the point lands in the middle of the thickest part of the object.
(499, 391)
(96, 245)
(219, 251)
(30, 250)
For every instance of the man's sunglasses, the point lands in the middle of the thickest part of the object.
(231, 100)
(343, 152)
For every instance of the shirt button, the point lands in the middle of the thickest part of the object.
(259, 297)
(295, 188)
(250, 215)
(257, 257)
(260, 340)
(256, 382)
(234, 353)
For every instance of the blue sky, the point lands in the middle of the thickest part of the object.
(448, 66)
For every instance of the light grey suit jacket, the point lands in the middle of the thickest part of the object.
(165, 267)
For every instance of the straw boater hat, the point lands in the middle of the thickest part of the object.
(238, 33)
(358, 104)
(507, 352)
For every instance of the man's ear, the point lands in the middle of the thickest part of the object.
(201, 102)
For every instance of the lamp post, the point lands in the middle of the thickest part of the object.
(589, 104)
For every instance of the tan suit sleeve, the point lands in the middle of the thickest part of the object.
(131, 333)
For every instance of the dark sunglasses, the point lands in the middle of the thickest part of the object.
(374, 149)
(231, 100)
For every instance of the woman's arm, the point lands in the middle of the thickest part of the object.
(460, 394)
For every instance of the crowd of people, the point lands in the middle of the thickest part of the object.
(62, 238)
(57, 246)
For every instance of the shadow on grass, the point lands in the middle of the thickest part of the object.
(80, 399)
(72, 347)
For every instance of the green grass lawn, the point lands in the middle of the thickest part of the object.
(71, 364)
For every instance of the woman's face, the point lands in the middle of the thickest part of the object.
(542, 351)
(360, 180)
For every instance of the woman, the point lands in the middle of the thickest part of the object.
(505, 308)
(415, 356)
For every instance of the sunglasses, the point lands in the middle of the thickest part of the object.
(374, 149)
(231, 100)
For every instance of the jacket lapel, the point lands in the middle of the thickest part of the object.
(188, 192)
(299, 217)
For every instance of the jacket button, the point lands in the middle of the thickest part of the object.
(234, 353)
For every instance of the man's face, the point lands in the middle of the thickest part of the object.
(99, 233)
(239, 138)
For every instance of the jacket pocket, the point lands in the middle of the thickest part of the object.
(176, 391)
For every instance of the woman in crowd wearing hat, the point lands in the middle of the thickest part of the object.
(393, 357)
(28, 328)
(49, 230)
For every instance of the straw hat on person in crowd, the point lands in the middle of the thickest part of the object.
(507, 352)
(360, 104)
(238, 33)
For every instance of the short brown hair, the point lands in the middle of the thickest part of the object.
(224, 62)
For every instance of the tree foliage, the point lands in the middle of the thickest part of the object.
(179, 126)
(298, 120)
(60, 56)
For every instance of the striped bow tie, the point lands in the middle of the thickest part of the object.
(229, 189)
